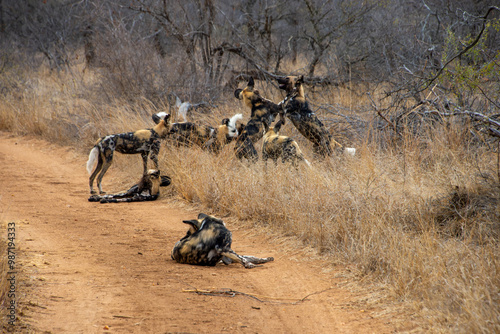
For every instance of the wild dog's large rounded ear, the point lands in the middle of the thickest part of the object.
(266, 126)
(300, 80)
(282, 80)
(165, 181)
(277, 126)
(202, 216)
(237, 93)
(195, 224)
(251, 83)
(156, 118)
(225, 121)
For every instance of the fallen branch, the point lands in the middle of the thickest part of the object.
(262, 299)
(473, 115)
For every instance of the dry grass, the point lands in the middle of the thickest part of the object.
(420, 215)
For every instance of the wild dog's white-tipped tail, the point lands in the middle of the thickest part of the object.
(92, 159)
(183, 110)
(178, 101)
(350, 151)
(233, 120)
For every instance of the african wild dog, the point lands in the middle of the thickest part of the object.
(224, 134)
(144, 142)
(206, 137)
(148, 189)
(275, 146)
(263, 110)
(187, 134)
(303, 118)
(207, 242)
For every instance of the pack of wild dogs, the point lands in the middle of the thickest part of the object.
(208, 241)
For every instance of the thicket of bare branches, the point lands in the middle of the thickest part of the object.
(433, 56)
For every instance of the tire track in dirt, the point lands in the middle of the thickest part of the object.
(92, 268)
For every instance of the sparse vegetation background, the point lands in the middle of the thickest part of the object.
(413, 85)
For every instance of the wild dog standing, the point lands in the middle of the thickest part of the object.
(303, 118)
(263, 110)
(148, 189)
(207, 242)
(206, 137)
(144, 142)
(275, 146)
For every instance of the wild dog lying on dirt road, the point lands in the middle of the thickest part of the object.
(144, 142)
(148, 189)
(263, 110)
(207, 242)
(206, 137)
(275, 146)
(303, 118)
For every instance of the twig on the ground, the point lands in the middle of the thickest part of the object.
(263, 299)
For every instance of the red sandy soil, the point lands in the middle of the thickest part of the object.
(105, 268)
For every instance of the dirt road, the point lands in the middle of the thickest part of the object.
(94, 268)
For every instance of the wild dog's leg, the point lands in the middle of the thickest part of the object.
(319, 151)
(250, 151)
(144, 156)
(104, 169)
(94, 173)
(257, 260)
(246, 260)
(236, 258)
(155, 151)
(265, 156)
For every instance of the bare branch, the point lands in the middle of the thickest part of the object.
(462, 52)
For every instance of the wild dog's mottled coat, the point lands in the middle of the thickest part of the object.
(187, 133)
(262, 110)
(144, 142)
(207, 242)
(148, 189)
(303, 118)
(205, 137)
(275, 146)
(226, 132)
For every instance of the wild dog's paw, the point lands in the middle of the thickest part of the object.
(250, 265)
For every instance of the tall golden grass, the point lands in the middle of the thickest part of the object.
(420, 215)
